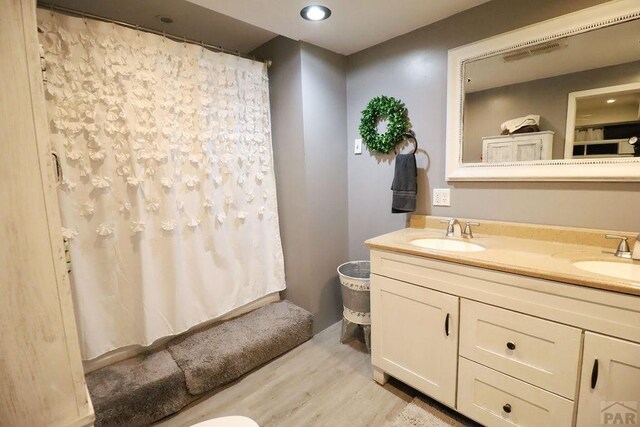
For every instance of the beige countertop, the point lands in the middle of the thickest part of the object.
(544, 252)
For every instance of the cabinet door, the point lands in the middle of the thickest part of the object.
(42, 381)
(610, 382)
(415, 336)
(527, 150)
(497, 152)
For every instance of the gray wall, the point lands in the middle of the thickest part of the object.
(308, 118)
(413, 67)
(486, 110)
(324, 100)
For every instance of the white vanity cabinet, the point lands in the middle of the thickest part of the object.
(610, 382)
(520, 350)
(416, 339)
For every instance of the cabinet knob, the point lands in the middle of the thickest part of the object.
(507, 408)
(511, 345)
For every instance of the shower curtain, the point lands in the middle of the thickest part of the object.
(167, 192)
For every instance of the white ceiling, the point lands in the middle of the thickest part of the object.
(354, 24)
(583, 105)
(596, 110)
(190, 20)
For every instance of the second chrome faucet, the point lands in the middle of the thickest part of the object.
(623, 250)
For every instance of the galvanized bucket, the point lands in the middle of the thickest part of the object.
(354, 277)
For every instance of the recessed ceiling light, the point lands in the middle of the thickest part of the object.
(315, 12)
(165, 19)
(610, 101)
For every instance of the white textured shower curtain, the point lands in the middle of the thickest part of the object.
(168, 192)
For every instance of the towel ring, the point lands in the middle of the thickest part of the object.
(409, 135)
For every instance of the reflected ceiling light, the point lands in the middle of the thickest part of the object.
(610, 101)
(315, 12)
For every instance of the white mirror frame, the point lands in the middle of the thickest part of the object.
(595, 17)
(572, 107)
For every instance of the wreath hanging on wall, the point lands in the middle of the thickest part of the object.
(381, 108)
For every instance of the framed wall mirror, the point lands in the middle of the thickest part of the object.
(554, 101)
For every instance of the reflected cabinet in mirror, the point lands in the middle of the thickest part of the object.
(558, 100)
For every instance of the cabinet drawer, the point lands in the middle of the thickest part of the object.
(486, 395)
(537, 351)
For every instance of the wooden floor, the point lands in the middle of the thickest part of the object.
(320, 383)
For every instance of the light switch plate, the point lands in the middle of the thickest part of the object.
(441, 197)
(357, 146)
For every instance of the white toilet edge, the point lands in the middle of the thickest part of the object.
(230, 421)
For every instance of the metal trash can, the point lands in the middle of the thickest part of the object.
(354, 278)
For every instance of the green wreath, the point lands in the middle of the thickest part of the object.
(394, 112)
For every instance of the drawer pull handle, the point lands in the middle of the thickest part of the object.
(507, 408)
(511, 346)
(594, 374)
(446, 324)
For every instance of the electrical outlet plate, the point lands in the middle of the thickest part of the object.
(441, 197)
(357, 146)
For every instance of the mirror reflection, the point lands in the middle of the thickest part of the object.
(553, 100)
(603, 122)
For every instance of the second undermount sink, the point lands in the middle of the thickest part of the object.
(619, 270)
(447, 245)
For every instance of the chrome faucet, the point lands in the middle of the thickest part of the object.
(623, 250)
(466, 233)
(451, 226)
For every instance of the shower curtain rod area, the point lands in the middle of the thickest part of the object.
(77, 13)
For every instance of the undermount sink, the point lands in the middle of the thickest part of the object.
(447, 245)
(618, 270)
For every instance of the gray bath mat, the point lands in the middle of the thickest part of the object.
(137, 391)
(226, 351)
(422, 413)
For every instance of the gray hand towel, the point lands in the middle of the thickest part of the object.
(405, 184)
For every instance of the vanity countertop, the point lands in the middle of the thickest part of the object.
(545, 252)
